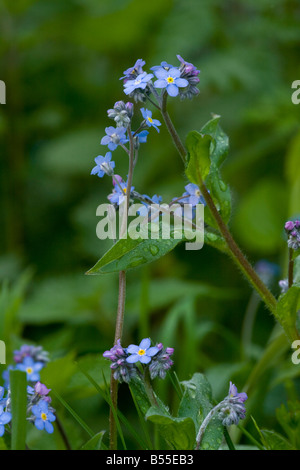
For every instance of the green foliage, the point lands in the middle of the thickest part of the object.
(60, 81)
(18, 386)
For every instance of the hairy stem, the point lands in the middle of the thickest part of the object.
(113, 435)
(291, 267)
(170, 126)
(235, 251)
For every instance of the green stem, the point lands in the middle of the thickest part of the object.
(113, 432)
(235, 251)
(149, 389)
(291, 267)
(171, 128)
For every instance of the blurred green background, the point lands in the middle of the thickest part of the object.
(61, 61)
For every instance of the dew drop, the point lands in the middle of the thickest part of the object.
(153, 250)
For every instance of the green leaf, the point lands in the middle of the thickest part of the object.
(196, 403)
(289, 419)
(274, 441)
(220, 193)
(207, 151)
(198, 146)
(95, 443)
(18, 389)
(220, 143)
(179, 433)
(129, 253)
(287, 308)
(74, 414)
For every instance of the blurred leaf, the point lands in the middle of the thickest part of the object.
(57, 374)
(287, 307)
(18, 390)
(220, 141)
(179, 433)
(74, 414)
(95, 366)
(198, 146)
(289, 419)
(293, 175)
(261, 216)
(95, 443)
(196, 403)
(274, 441)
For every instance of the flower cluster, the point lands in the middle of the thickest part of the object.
(32, 360)
(124, 361)
(141, 86)
(232, 408)
(293, 233)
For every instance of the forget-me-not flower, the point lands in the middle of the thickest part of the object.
(170, 80)
(142, 353)
(104, 166)
(43, 417)
(31, 368)
(147, 115)
(141, 81)
(114, 137)
(5, 418)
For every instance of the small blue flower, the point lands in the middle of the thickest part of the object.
(142, 353)
(195, 194)
(5, 418)
(43, 417)
(2, 399)
(163, 65)
(31, 368)
(142, 137)
(140, 81)
(119, 193)
(147, 115)
(170, 80)
(146, 208)
(114, 137)
(104, 166)
(134, 71)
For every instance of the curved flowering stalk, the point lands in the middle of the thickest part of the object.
(229, 411)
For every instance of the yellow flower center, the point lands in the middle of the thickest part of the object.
(170, 79)
(29, 370)
(125, 190)
(198, 193)
(150, 119)
(44, 416)
(141, 352)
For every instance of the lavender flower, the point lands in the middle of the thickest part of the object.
(293, 232)
(161, 362)
(35, 352)
(133, 72)
(190, 73)
(233, 409)
(123, 372)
